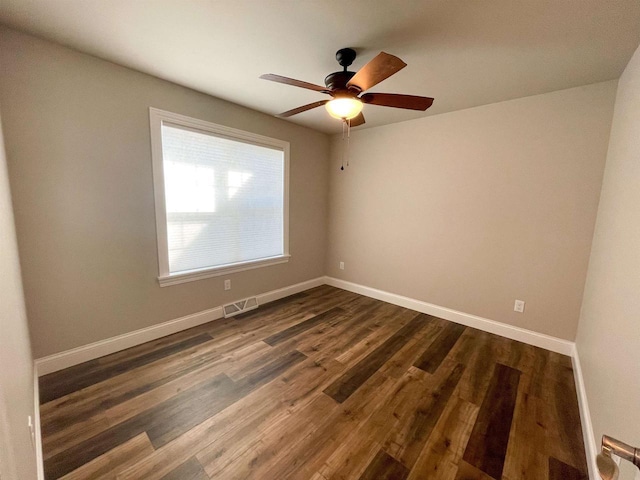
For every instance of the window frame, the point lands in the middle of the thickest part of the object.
(159, 117)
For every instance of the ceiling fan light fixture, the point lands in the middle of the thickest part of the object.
(345, 86)
(344, 108)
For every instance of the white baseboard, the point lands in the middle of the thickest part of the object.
(590, 445)
(75, 356)
(290, 290)
(36, 421)
(59, 361)
(514, 333)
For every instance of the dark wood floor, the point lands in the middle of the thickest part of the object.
(322, 385)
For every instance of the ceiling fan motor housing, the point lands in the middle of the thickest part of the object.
(337, 81)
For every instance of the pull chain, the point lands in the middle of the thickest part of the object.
(346, 124)
(343, 122)
(348, 140)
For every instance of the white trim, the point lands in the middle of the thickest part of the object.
(155, 127)
(157, 118)
(75, 356)
(590, 445)
(514, 333)
(219, 130)
(283, 292)
(38, 430)
(101, 348)
(190, 276)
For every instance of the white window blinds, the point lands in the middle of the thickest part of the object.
(224, 199)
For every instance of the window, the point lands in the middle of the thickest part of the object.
(221, 198)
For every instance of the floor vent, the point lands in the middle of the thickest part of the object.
(241, 306)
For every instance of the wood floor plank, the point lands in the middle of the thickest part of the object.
(251, 456)
(294, 393)
(252, 401)
(126, 409)
(92, 400)
(350, 461)
(290, 313)
(466, 345)
(342, 388)
(108, 465)
(269, 371)
(469, 472)
(215, 428)
(165, 413)
(190, 414)
(259, 327)
(400, 363)
(159, 343)
(77, 432)
(298, 328)
(269, 319)
(569, 424)
(59, 384)
(189, 470)
(525, 458)
(487, 446)
(343, 332)
(481, 360)
(385, 467)
(411, 434)
(360, 446)
(443, 451)
(171, 418)
(248, 416)
(308, 456)
(388, 320)
(433, 356)
(561, 471)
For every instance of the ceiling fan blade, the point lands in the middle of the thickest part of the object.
(357, 120)
(292, 81)
(301, 109)
(410, 102)
(378, 69)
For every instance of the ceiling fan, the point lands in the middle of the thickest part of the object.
(347, 88)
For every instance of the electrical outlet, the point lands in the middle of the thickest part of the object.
(341, 265)
(227, 284)
(519, 306)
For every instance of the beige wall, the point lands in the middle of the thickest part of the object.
(469, 210)
(473, 209)
(17, 458)
(609, 334)
(77, 135)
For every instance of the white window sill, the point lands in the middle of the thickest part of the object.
(194, 275)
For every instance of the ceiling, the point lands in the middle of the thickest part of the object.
(462, 53)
